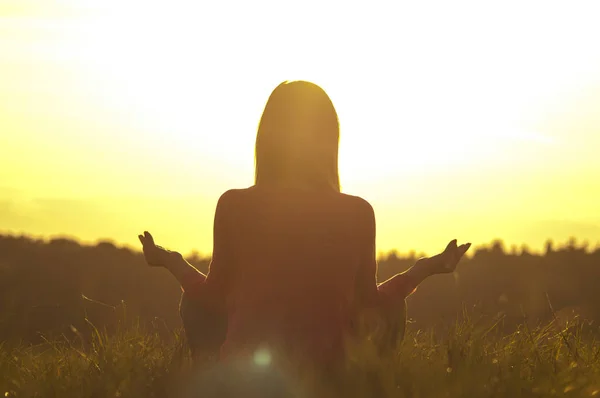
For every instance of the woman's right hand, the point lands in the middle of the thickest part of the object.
(446, 261)
(156, 256)
(452, 255)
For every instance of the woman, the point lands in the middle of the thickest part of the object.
(293, 260)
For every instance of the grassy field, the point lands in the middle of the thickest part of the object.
(472, 359)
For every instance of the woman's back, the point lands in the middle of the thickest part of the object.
(293, 257)
(291, 266)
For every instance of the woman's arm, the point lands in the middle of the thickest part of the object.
(368, 292)
(403, 284)
(184, 272)
(192, 281)
(425, 267)
(213, 286)
(158, 256)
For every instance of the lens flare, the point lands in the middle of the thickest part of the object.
(262, 357)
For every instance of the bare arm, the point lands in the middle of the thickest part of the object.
(158, 256)
(191, 279)
(215, 284)
(403, 284)
(368, 291)
(183, 271)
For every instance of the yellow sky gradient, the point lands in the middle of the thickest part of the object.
(466, 120)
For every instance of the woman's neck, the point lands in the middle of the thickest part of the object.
(293, 186)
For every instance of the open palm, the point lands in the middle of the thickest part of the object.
(450, 257)
(155, 255)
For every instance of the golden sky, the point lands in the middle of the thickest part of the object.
(469, 120)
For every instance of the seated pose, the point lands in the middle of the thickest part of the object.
(293, 263)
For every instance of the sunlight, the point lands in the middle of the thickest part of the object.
(172, 96)
(158, 79)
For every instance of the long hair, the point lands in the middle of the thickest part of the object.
(298, 138)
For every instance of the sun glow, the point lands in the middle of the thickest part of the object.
(172, 95)
(191, 79)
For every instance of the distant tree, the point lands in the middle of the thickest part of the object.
(43, 285)
(572, 244)
(549, 246)
(498, 247)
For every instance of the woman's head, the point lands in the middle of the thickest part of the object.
(298, 138)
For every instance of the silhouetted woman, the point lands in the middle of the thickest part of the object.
(293, 261)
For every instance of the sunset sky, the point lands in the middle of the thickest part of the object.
(468, 120)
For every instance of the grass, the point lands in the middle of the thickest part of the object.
(473, 359)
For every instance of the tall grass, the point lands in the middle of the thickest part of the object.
(471, 359)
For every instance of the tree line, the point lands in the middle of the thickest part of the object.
(60, 287)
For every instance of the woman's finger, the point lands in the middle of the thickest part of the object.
(465, 247)
(451, 245)
(141, 238)
(149, 238)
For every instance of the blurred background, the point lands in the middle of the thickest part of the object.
(467, 120)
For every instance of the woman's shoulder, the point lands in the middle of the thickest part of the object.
(236, 196)
(357, 202)
(233, 195)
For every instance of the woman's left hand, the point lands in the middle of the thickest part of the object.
(155, 255)
(445, 262)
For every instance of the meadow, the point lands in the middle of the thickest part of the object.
(93, 321)
(473, 360)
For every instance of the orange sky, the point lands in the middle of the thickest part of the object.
(465, 120)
